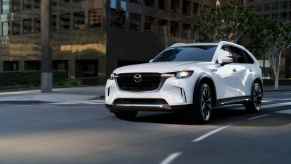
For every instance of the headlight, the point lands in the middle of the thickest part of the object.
(113, 76)
(183, 74)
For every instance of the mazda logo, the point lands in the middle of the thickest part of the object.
(137, 78)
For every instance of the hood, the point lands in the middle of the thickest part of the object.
(159, 67)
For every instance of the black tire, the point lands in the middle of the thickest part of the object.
(254, 105)
(203, 103)
(126, 115)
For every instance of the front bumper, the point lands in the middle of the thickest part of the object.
(177, 94)
(147, 107)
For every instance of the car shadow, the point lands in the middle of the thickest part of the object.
(220, 116)
(237, 116)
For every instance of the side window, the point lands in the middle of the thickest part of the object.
(249, 59)
(238, 55)
(227, 48)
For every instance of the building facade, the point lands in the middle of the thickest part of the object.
(276, 9)
(78, 37)
(83, 46)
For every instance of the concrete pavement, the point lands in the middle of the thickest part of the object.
(67, 95)
(60, 95)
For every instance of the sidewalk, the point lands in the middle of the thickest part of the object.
(282, 88)
(64, 95)
(57, 96)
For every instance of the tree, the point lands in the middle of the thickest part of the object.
(264, 37)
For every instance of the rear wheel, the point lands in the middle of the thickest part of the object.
(255, 103)
(126, 115)
(203, 103)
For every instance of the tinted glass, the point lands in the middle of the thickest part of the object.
(193, 53)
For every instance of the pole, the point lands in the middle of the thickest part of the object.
(46, 57)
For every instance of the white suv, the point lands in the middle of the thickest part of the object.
(192, 77)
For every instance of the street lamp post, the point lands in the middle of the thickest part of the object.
(46, 56)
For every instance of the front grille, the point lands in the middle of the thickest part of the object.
(140, 101)
(139, 81)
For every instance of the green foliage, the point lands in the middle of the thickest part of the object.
(68, 83)
(25, 79)
(243, 26)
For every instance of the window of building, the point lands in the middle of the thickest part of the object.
(27, 4)
(131, 1)
(27, 26)
(95, 18)
(186, 7)
(174, 28)
(36, 22)
(149, 22)
(5, 28)
(65, 21)
(87, 68)
(1, 3)
(5, 6)
(162, 23)
(16, 5)
(33, 65)
(54, 22)
(195, 8)
(79, 19)
(16, 28)
(186, 32)
(175, 5)
(64, 2)
(11, 66)
(36, 4)
(162, 4)
(54, 3)
(149, 3)
(135, 22)
(1, 30)
(60, 66)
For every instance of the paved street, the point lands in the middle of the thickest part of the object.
(84, 132)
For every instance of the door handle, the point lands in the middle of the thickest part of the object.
(234, 70)
(213, 70)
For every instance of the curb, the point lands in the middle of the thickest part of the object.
(277, 90)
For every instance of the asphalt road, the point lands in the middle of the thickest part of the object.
(72, 133)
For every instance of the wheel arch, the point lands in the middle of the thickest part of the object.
(206, 79)
(260, 81)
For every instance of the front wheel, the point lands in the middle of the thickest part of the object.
(254, 105)
(126, 115)
(203, 103)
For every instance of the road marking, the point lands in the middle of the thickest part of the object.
(210, 133)
(258, 117)
(88, 102)
(170, 159)
(277, 105)
(284, 111)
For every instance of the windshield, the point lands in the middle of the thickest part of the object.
(189, 53)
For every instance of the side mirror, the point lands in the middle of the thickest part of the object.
(224, 57)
